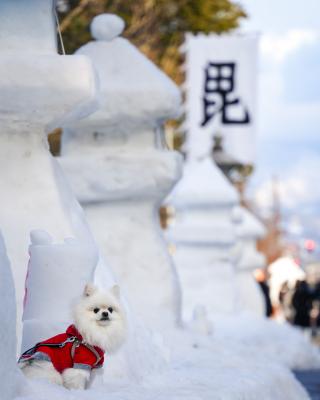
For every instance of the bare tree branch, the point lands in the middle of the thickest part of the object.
(74, 13)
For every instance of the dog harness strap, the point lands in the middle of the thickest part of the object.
(75, 344)
(71, 339)
(27, 354)
(94, 351)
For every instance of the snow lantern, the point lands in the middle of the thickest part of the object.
(39, 90)
(203, 235)
(121, 172)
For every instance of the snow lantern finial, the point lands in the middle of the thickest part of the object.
(106, 27)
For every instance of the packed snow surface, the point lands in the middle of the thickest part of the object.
(201, 367)
(281, 343)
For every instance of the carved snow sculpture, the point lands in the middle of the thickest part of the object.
(39, 90)
(57, 274)
(120, 172)
(248, 230)
(9, 374)
(203, 236)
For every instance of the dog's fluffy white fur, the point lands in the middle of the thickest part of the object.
(100, 319)
(107, 334)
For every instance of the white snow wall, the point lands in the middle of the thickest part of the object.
(39, 90)
(8, 368)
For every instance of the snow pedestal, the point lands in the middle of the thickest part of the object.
(57, 275)
(39, 90)
(248, 230)
(203, 235)
(9, 378)
(120, 172)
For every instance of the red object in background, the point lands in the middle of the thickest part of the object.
(297, 260)
(310, 245)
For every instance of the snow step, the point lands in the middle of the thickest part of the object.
(310, 379)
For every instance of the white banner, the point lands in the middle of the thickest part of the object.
(221, 80)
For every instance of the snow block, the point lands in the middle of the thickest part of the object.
(57, 275)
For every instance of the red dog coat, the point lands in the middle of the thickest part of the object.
(67, 350)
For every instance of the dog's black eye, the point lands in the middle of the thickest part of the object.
(110, 309)
(96, 310)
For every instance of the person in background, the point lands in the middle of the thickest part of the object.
(261, 278)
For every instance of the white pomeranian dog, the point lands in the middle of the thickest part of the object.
(69, 358)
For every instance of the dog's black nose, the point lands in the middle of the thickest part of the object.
(105, 314)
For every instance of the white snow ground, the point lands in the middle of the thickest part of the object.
(280, 343)
(246, 358)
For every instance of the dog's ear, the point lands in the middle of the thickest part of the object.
(89, 289)
(115, 290)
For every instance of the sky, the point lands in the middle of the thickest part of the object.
(288, 138)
